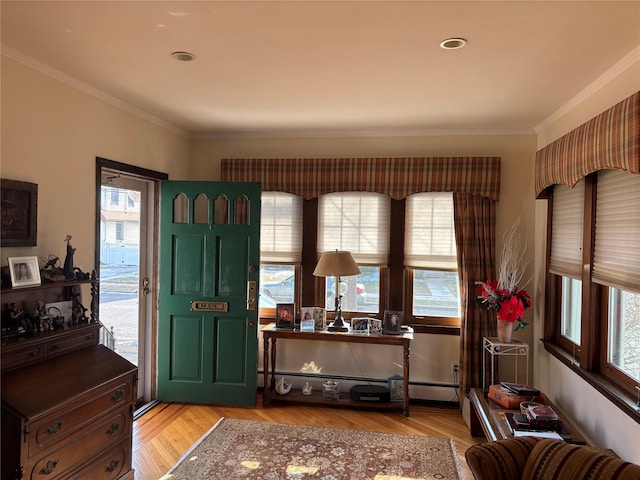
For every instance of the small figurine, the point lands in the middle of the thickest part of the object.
(68, 261)
(307, 388)
(42, 319)
(281, 387)
(20, 321)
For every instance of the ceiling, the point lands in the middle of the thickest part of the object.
(329, 67)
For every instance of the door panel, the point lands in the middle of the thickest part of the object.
(207, 336)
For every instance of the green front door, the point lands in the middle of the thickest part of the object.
(209, 272)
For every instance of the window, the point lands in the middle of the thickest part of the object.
(115, 196)
(280, 248)
(567, 228)
(359, 223)
(597, 288)
(120, 231)
(430, 258)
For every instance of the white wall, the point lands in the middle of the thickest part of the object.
(602, 422)
(52, 134)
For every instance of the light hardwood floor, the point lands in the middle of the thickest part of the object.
(163, 434)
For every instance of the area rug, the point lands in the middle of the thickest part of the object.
(273, 451)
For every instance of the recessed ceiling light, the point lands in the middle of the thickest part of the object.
(183, 56)
(453, 43)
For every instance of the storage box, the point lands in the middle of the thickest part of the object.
(510, 400)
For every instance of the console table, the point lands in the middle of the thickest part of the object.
(488, 420)
(270, 334)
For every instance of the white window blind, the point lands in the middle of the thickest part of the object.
(567, 230)
(357, 222)
(616, 257)
(430, 236)
(280, 228)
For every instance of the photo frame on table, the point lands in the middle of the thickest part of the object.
(320, 317)
(307, 320)
(360, 325)
(285, 315)
(392, 323)
(24, 271)
(395, 385)
(18, 213)
(375, 326)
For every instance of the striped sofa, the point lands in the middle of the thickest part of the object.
(529, 458)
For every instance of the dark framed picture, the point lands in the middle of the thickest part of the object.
(392, 323)
(285, 315)
(360, 325)
(18, 213)
(396, 388)
(24, 271)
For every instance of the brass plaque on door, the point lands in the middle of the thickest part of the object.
(197, 306)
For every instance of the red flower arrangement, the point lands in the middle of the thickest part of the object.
(503, 295)
(509, 304)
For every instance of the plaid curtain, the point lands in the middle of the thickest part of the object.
(475, 226)
(610, 140)
(395, 177)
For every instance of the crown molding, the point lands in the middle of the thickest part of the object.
(88, 89)
(626, 62)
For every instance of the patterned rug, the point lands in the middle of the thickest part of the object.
(274, 451)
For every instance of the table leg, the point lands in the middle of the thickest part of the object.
(265, 369)
(406, 380)
(273, 363)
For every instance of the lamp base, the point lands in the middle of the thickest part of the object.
(337, 328)
(339, 324)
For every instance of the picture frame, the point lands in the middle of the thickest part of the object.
(24, 271)
(360, 325)
(395, 384)
(392, 324)
(285, 315)
(307, 320)
(375, 326)
(18, 213)
(320, 317)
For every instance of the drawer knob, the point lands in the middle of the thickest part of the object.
(113, 429)
(55, 427)
(49, 467)
(112, 466)
(35, 352)
(117, 396)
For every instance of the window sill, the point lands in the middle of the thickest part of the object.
(614, 394)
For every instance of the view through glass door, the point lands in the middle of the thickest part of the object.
(124, 281)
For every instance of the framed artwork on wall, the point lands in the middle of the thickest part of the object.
(18, 213)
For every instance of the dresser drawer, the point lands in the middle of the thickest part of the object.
(64, 457)
(70, 343)
(70, 418)
(113, 465)
(26, 356)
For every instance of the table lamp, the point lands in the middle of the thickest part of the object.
(337, 264)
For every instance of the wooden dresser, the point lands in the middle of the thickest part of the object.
(67, 405)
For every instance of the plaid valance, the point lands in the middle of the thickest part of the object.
(610, 140)
(396, 177)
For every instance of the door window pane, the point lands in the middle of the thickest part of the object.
(624, 331)
(435, 293)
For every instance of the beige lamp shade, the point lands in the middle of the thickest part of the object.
(336, 264)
